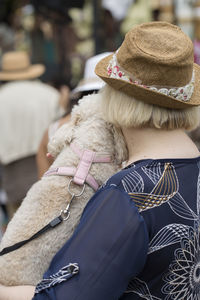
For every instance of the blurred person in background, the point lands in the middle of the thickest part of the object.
(138, 237)
(90, 83)
(114, 12)
(6, 38)
(27, 107)
(58, 38)
(3, 210)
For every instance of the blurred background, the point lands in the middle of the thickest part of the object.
(63, 34)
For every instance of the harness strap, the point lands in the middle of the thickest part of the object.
(98, 157)
(71, 171)
(81, 173)
(83, 167)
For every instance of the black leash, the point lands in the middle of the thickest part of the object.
(64, 215)
(18, 245)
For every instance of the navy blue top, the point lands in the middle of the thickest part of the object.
(138, 238)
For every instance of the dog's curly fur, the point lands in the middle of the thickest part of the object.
(49, 196)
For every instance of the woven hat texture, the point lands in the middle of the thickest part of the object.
(154, 64)
(16, 65)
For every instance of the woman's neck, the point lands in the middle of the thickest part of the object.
(144, 143)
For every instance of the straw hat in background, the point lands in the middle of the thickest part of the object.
(15, 65)
(154, 64)
(90, 80)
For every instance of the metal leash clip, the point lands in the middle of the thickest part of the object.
(65, 213)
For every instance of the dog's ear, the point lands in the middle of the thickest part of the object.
(61, 138)
(121, 151)
(76, 117)
(87, 106)
(77, 114)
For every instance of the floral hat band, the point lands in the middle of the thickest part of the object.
(184, 93)
(155, 65)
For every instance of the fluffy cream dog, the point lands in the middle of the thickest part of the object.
(50, 195)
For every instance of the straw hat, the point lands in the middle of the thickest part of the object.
(16, 66)
(90, 80)
(154, 64)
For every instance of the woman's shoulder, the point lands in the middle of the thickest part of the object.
(129, 178)
(154, 175)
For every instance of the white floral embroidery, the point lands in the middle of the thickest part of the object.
(62, 275)
(153, 171)
(183, 93)
(181, 208)
(168, 235)
(183, 278)
(133, 181)
(182, 281)
(140, 288)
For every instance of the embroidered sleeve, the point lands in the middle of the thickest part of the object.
(63, 274)
(109, 245)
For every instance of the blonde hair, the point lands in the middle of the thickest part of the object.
(125, 111)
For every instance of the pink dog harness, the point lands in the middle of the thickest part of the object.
(81, 173)
(80, 176)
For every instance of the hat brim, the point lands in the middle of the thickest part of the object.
(31, 72)
(146, 95)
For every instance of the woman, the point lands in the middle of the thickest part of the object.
(138, 237)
